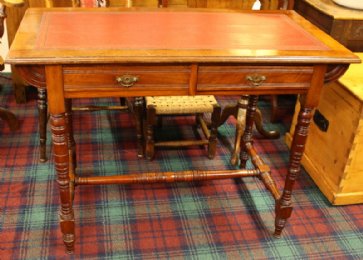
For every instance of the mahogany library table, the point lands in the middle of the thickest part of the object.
(83, 53)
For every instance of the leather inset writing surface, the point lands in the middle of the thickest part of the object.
(173, 30)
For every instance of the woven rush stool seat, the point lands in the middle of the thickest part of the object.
(182, 105)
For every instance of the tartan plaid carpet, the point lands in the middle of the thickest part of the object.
(224, 219)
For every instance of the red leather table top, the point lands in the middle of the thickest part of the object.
(172, 30)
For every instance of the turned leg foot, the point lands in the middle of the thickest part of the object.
(283, 212)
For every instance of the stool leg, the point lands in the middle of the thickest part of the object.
(123, 101)
(42, 124)
(247, 135)
(212, 144)
(150, 122)
(138, 112)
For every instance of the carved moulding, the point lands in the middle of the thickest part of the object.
(334, 72)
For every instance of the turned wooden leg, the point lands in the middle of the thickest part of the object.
(42, 125)
(60, 135)
(61, 160)
(212, 144)
(283, 207)
(247, 135)
(308, 101)
(150, 122)
(138, 113)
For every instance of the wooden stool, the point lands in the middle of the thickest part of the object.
(182, 105)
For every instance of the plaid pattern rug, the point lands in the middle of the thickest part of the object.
(224, 219)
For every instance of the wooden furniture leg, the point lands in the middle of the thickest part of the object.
(240, 125)
(60, 137)
(250, 152)
(284, 205)
(138, 114)
(212, 144)
(61, 160)
(283, 208)
(150, 143)
(247, 135)
(42, 126)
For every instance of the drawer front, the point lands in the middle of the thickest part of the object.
(125, 80)
(267, 79)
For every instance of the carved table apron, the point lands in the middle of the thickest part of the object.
(82, 53)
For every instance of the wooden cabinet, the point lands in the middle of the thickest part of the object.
(334, 150)
(344, 24)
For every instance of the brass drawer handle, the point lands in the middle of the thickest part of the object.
(255, 79)
(127, 80)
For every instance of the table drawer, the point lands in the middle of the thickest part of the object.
(267, 79)
(126, 80)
